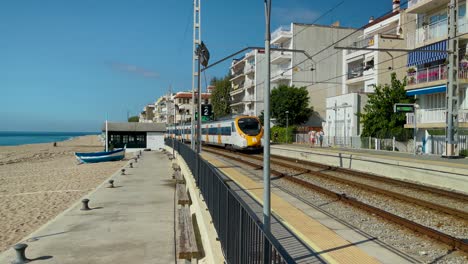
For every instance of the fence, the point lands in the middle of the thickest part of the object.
(430, 145)
(239, 230)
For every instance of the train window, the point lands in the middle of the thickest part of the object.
(233, 127)
(249, 126)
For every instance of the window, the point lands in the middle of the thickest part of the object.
(233, 127)
(125, 139)
(140, 138)
(131, 138)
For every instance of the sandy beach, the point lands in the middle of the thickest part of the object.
(39, 181)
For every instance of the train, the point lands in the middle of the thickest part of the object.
(237, 133)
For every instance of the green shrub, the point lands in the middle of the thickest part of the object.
(278, 134)
(464, 152)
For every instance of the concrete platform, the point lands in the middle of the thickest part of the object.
(430, 170)
(132, 223)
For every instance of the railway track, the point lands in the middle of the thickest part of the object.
(289, 163)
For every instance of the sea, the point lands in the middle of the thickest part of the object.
(8, 138)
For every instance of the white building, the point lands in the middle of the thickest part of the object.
(147, 115)
(365, 69)
(427, 72)
(245, 82)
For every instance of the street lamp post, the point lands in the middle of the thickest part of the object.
(287, 125)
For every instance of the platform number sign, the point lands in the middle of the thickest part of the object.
(206, 112)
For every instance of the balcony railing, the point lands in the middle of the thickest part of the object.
(434, 31)
(434, 73)
(434, 115)
(278, 54)
(364, 43)
(281, 74)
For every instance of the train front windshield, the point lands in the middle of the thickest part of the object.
(250, 126)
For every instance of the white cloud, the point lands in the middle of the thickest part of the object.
(123, 67)
(295, 14)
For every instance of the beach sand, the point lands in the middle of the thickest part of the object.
(39, 181)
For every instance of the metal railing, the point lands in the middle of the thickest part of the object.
(364, 43)
(435, 115)
(240, 231)
(433, 73)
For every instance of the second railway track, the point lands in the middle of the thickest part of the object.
(292, 164)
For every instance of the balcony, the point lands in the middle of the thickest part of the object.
(237, 76)
(280, 57)
(364, 43)
(423, 6)
(356, 72)
(281, 35)
(429, 34)
(434, 116)
(433, 74)
(281, 74)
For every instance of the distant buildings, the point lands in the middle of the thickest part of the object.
(176, 107)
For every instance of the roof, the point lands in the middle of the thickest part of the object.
(382, 18)
(189, 95)
(135, 127)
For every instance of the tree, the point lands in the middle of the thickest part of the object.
(378, 117)
(293, 99)
(133, 119)
(220, 98)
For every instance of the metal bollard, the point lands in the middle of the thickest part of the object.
(20, 254)
(131, 165)
(85, 206)
(123, 171)
(111, 182)
(136, 160)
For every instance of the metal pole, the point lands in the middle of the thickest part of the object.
(196, 41)
(287, 127)
(415, 129)
(344, 118)
(107, 140)
(199, 129)
(173, 140)
(266, 136)
(452, 85)
(334, 138)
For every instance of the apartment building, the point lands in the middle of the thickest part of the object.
(427, 71)
(246, 82)
(160, 110)
(365, 69)
(147, 115)
(316, 68)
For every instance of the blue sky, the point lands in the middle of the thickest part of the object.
(65, 65)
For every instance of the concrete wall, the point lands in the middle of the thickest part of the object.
(328, 64)
(434, 175)
(154, 140)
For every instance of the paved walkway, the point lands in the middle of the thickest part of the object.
(132, 223)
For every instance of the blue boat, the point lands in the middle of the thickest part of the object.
(94, 157)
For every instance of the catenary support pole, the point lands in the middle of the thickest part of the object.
(266, 136)
(451, 135)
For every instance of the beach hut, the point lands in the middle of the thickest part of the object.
(135, 135)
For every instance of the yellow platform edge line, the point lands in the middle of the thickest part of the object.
(256, 191)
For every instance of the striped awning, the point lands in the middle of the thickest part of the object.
(417, 57)
(427, 90)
